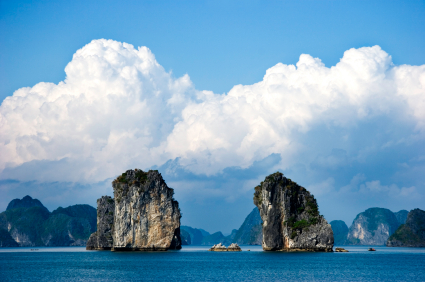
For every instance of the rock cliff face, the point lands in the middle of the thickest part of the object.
(410, 234)
(291, 219)
(372, 227)
(146, 215)
(102, 238)
(340, 230)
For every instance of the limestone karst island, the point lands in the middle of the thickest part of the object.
(144, 216)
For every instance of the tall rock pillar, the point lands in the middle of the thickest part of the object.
(146, 215)
(102, 238)
(291, 219)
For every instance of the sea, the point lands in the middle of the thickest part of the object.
(196, 263)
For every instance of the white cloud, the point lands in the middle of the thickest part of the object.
(253, 121)
(118, 109)
(322, 188)
(115, 105)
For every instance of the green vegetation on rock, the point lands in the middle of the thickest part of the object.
(6, 240)
(340, 230)
(29, 223)
(410, 234)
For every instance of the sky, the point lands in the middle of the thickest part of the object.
(216, 95)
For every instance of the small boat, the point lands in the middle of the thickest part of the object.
(371, 250)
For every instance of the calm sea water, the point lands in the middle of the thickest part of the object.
(197, 264)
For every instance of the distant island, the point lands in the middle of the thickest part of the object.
(27, 223)
(411, 233)
(372, 227)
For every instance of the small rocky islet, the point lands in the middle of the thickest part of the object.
(234, 247)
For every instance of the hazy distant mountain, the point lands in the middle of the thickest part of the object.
(401, 216)
(25, 202)
(29, 223)
(185, 237)
(372, 227)
(410, 234)
(196, 235)
(340, 230)
(69, 226)
(250, 232)
(216, 238)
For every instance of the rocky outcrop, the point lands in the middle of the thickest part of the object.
(222, 248)
(146, 215)
(102, 238)
(410, 234)
(341, 250)
(340, 230)
(218, 248)
(291, 219)
(234, 247)
(372, 227)
(250, 232)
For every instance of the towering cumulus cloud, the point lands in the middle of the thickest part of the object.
(118, 109)
(253, 121)
(115, 105)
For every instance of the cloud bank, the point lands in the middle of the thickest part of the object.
(118, 108)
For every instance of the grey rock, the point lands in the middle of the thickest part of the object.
(372, 227)
(234, 247)
(102, 238)
(218, 248)
(146, 215)
(410, 234)
(291, 219)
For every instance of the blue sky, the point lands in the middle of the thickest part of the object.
(360, 147)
